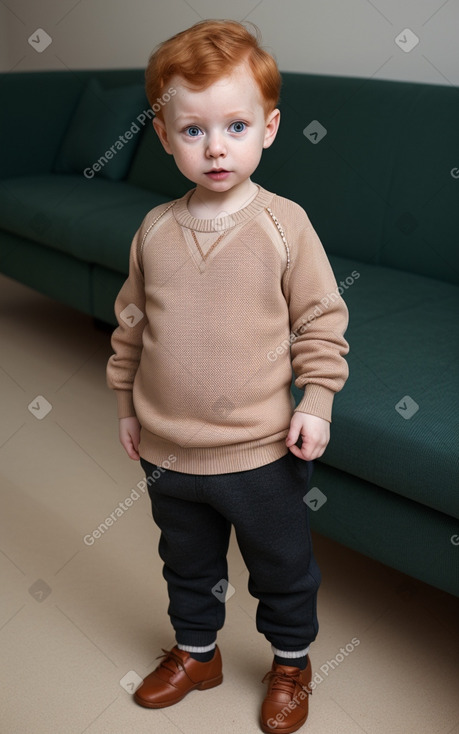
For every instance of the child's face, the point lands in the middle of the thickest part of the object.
(217, 135)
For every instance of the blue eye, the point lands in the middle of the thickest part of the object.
(193, 131)
(238, 127)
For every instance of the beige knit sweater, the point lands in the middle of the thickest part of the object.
(208, 334)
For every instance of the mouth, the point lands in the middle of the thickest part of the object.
(217, 173)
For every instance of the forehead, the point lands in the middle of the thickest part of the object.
(237, 89)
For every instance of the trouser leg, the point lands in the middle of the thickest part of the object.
(271, 522)
(193, 546)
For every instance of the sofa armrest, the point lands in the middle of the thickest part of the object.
(36, 107)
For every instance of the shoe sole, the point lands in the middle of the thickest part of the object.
(203, 686)
(288, 730)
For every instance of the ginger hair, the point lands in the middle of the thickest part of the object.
(206, 52)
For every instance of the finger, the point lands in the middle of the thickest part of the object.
(295, 450)
(309, 449)
(315, 453)
(293, 435)
(129, 447)
(133, 454)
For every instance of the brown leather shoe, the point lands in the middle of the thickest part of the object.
(285, 708)
(177, 675)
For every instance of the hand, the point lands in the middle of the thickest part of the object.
(315, 433)
(130, 436)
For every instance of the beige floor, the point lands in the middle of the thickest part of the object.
(76, 619)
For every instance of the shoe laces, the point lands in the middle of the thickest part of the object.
(172, 658)
(285, 682)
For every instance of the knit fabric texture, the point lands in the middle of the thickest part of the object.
(208, 334)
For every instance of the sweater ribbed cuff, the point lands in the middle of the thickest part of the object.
(317, 400)
(125, 403)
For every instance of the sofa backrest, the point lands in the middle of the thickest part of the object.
(378, 186)
(374, 163)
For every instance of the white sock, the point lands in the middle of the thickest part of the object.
(288, 654)
(190, 648)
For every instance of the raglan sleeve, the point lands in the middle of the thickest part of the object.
(126, 339)
(318, 322)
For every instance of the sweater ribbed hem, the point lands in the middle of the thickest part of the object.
(214, 460)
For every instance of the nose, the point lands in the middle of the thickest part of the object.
(215, 146)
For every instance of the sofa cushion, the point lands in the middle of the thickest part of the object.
(93, 220)
(395, 423)
(101, 117)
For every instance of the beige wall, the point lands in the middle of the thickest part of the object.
(351, 37)
(4, 58)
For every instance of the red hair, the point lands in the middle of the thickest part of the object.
(206, 52)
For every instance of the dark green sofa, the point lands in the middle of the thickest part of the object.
(381, 187)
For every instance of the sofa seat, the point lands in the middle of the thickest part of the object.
(403, 333)
(90, 219)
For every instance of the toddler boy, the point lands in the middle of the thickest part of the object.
(225, 285)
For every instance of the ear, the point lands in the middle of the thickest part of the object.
(271, 127)
(161, 131)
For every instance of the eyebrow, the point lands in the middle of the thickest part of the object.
(193, 116)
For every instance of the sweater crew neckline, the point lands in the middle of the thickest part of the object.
(185, 219)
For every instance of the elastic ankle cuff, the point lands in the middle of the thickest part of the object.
(196, 638)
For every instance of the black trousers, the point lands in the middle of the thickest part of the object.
(265, 505)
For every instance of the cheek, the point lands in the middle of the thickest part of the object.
(181, 152)
(253, 152)
(187, 156)
(186, 159)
